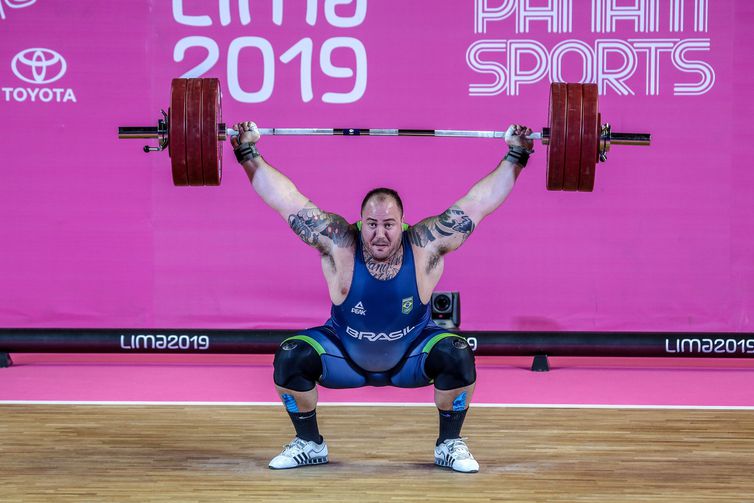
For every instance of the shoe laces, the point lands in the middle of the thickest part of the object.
(458, 449)
(296, 447)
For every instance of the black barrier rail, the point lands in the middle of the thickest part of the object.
(645, 344)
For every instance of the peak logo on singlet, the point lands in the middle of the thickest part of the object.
(359, 309)
(378, 336)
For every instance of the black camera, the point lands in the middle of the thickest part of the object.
(446, 309)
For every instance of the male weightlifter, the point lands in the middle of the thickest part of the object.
(380, 273)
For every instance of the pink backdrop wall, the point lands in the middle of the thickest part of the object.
(93, 233)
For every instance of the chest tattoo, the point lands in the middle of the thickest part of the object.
(384, 269)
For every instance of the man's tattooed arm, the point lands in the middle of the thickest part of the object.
(444, 233)
(322, 230)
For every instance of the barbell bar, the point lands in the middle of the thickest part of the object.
(192, 130)
(147, 132)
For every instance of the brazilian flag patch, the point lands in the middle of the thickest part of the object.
(407, 305)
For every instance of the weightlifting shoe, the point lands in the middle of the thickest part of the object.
(300, 453)
(454, 453)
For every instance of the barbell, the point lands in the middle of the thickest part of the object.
(192, 130)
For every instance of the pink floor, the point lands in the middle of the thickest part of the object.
(501, 380)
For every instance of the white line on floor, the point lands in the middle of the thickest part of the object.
(386, 404)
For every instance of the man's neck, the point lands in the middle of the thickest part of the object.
(387, 268)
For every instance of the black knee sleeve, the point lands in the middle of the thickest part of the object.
(451, 364)
(297, 366)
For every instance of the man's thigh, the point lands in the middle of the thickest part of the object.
(411, 373)
(337, 371)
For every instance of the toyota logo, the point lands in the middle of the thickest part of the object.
(38, 65)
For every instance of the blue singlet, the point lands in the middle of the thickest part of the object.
(380, 319)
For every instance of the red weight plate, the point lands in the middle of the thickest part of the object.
(211, 147)
(572, 162)
(590, 130)
(219, 120)
(556, 145)
(194, 132)
(177, 131)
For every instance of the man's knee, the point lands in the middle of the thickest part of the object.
(451, 364)
(297, 366)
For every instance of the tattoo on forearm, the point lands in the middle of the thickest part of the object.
(452, 224)
(312, 225)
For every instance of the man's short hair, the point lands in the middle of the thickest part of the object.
(382, 193)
